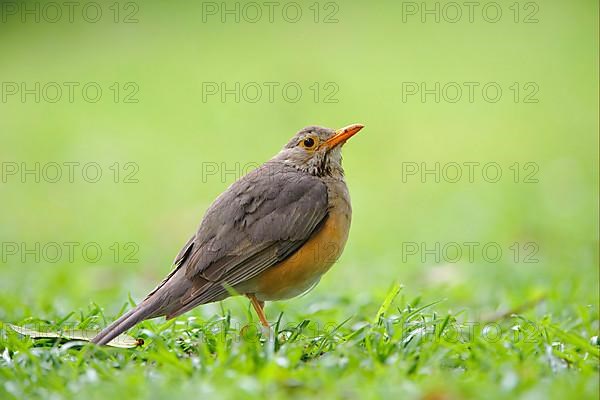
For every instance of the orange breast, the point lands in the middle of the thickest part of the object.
(304, 269)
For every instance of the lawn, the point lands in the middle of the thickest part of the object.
(472, 266)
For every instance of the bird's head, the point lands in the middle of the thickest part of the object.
(317, 150)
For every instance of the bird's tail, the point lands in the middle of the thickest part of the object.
(144, 310)
(157, 303)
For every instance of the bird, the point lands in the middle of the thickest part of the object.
(270, 236)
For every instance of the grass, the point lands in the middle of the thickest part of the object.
(403, 347)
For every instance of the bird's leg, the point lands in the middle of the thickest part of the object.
(258, 307)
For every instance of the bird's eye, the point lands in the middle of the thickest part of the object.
(308, 143)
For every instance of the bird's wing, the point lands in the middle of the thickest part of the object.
(259, 221)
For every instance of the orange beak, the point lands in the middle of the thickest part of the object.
(341, 135)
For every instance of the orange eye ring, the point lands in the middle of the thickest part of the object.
(309, 143)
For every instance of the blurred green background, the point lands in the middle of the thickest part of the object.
(172, 136)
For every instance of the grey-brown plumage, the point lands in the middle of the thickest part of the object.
(248, 234)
